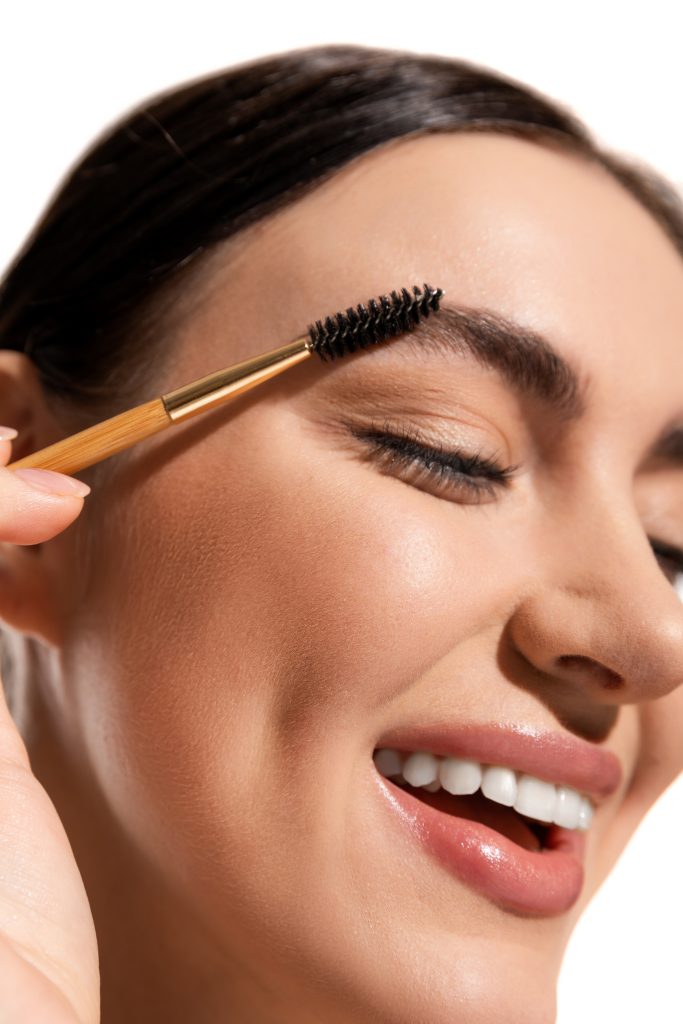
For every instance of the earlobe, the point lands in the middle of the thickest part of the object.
(23, 404)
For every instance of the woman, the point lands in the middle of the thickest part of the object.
(204, 667)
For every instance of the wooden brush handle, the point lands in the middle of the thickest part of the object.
(99, 442)
(118, 432)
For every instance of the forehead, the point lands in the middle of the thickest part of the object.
(542, 236)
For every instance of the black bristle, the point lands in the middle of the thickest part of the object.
(377, 320)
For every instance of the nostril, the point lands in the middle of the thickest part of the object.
(609, 679)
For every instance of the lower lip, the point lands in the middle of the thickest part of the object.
(544, 882)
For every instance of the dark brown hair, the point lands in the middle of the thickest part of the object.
(87, 295)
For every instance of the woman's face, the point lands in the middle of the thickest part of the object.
(270, 599)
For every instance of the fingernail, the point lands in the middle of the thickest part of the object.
(7, 433)
(55, 483)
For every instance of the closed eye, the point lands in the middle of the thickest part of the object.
(448, 471)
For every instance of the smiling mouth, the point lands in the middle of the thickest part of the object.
(504, 810)
(517, 806)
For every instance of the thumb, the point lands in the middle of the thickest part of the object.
(35, 504)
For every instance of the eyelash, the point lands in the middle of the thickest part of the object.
(671, 554)
(477, 475)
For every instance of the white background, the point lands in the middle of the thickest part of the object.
(69, 68)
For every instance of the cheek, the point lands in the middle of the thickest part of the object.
(366, 583)
(284, 584)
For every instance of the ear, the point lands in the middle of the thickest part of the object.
(33, 577)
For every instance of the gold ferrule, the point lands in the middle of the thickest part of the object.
(208, 391)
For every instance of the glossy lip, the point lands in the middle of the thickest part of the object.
(537, 883)
(552, 757)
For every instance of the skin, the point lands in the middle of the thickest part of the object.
(247, 602)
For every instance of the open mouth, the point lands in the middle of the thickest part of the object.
(513, 836)
(525, 832)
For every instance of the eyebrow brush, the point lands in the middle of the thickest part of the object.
(358, 328)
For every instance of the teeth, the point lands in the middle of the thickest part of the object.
(499, 784)
(532, 797)
(536, 799)
(459, 776)
(585, 813)
(567, 807)
(420, 769)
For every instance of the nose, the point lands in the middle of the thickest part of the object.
(601, 617)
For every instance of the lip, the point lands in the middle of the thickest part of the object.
(552, 757)
(537, 883)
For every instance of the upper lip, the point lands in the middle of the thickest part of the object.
(553, 757)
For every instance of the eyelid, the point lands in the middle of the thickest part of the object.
(397, 428)
(455, 472)
(435, 441)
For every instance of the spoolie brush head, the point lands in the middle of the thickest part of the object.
(382, 318)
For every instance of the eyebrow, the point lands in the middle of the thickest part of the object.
(526, 359)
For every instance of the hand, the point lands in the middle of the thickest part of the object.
(48, 952)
